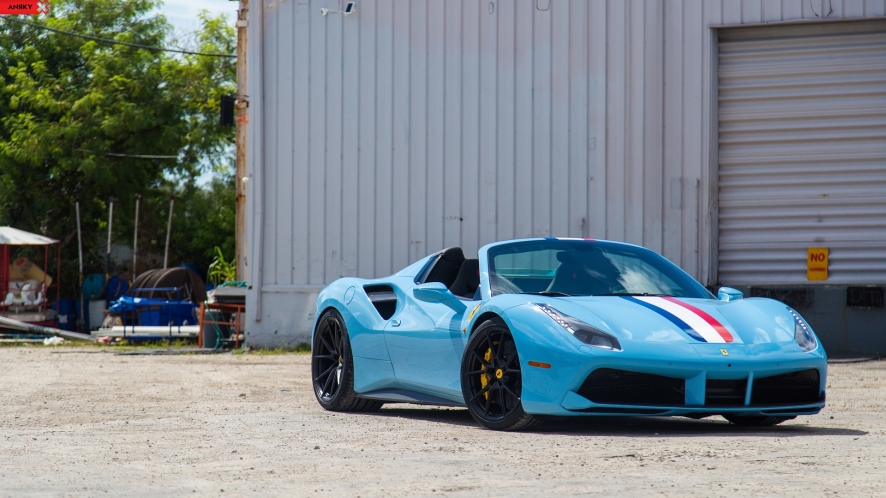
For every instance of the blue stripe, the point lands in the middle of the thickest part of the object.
(670, 316)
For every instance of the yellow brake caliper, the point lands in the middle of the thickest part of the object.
(484, 378)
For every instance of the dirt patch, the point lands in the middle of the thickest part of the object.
(79, 423)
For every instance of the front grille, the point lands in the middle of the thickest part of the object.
(725, 392)
(794, 388)
(620, 387)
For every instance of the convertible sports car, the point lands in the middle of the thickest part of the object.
(559, 327)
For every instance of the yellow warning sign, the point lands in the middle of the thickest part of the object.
(817, 263)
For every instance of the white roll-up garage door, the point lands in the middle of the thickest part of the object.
(802, 152)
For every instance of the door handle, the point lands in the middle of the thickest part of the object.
(395, 323)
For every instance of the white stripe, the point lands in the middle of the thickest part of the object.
(698, 323)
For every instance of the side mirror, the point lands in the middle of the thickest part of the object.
(437, 292)
(729, 294)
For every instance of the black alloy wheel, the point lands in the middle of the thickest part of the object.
(332, 367)
(492, 381)
(758, 421)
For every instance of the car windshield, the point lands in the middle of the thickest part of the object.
(586, 268)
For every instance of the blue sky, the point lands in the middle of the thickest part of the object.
(183, 13)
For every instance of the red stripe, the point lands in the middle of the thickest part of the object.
(706, 317)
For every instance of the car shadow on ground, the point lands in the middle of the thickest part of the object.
(630, 426)
(452, 416)
(685, 427)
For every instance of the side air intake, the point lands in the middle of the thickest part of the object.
(383, 298)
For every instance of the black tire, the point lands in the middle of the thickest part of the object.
(758, 421)
(332, 367)
(492, 380)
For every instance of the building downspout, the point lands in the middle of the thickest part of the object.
(255, 165)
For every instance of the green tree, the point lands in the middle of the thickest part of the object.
(68, 105)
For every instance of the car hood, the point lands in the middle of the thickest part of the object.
(683, 320)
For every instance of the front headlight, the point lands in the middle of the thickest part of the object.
(802, 333)
(588, 334)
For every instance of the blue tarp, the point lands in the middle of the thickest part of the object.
(155, 311)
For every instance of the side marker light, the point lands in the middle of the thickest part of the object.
(539, 364)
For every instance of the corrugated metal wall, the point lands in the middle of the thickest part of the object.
(407, 127)
(803, 152)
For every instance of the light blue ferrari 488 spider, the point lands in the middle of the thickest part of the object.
(562, 327)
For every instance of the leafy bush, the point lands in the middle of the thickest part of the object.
(222, 270)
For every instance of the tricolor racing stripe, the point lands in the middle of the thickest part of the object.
(695, 322)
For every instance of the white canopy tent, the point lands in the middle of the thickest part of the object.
(27, 284)
(15, 237)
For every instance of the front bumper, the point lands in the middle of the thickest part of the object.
(554, 391)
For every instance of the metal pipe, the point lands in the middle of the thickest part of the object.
(168, 232)
(80, 319)
(110, 225)
(256, 218)
(58, 278)
(157, 329)
(135, 239)
(43, 283)
(79, 242)
(39, 329)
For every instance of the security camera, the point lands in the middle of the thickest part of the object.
(349, 9)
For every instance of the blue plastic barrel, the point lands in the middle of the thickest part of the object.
(93, 286)
(67, 313)
(116, 287)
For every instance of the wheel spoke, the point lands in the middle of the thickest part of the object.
(506, 388)
(326, 357)
(491, 344)
(485, 389)
(508, 363)
(337, 337)
(501, 345)
(325, 372)
(511, 371)
(501, 398)
(488, 402)
(328, 382)
(480, 359)
(475, 372)
(328, 346)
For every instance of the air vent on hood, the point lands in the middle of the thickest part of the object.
(383, 298)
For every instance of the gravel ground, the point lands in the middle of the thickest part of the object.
(87, 422)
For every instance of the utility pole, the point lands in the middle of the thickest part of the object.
(242, 120)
